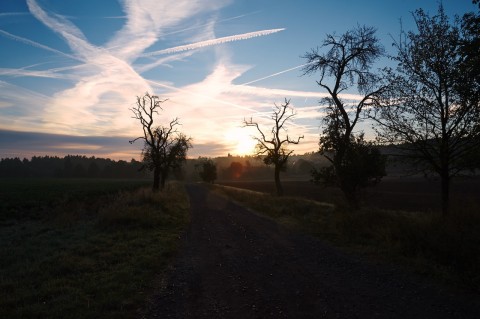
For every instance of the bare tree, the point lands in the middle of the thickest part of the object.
(273, 148)
(431, 110)
(165, 148)
(346, 64)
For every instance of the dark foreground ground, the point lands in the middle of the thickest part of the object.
(395, 193)
(236, 264)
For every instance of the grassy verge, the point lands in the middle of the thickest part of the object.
(447, 249)
(34, 197)
(88, 256)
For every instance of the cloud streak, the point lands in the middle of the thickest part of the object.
(105, 84)
(206, 43)
(35, 44)
(277, 73)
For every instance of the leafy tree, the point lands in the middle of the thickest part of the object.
(273, 148)
(165, 148)
(209, 170)
(469, 52)
(363, 165)
(346, 64)
(430, 110)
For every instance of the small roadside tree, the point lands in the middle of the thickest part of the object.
(273, 148)
(431, 108)
(165, 148)
(345, 65)
(208, 173)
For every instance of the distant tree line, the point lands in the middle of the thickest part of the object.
(248, 168)
(70, 166)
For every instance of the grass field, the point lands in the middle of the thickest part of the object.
(29, 196)
(84, 248)
(446, 249)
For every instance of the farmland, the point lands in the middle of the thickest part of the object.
(91, 248)
(394, 193)
(94, 247)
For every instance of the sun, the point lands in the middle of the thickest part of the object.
(241, 141)
(246, 145)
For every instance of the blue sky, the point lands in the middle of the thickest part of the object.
(70, 70)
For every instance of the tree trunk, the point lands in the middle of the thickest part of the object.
(163, 180)
(350, 194)
(348, 189)
(445, 172)
(278, 184)
(156, 179)
(445, 185)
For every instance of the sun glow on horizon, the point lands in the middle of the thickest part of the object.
(241, 141)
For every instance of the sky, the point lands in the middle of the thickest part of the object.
(70, 71)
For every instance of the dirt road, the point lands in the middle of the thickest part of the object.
(236, 264)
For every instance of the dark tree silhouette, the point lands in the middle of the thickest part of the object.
(273, 148)
(93, 169)
(431, 110)
(469, 51)
(164, 148)
(345, 64)
(69, 166)
(363, 165)
(208, 173)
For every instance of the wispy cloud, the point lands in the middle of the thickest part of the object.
(34, 143)
(211, 23)
(163, 61)
(105, 84)
(220, 106)
(35, 44)
(17, 109)
(32, 73)
(150, 18)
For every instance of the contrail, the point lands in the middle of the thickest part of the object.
(223, 20)
(36, 44)
(8, 14)
(275, 74)
(205, 43)
(31, 73)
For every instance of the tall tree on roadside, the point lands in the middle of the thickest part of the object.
(345, 65)
(430, 110)
(273, 148)
(165, 148)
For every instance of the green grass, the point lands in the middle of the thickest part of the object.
(446, 249)
(93, 254)
(28, 197)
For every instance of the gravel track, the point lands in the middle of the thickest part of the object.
(234, 263)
